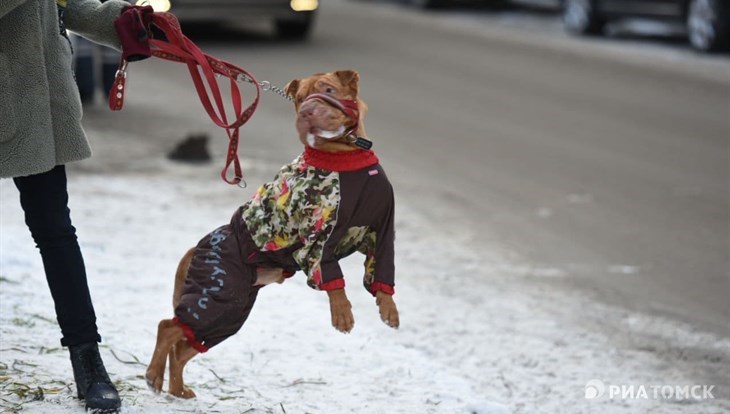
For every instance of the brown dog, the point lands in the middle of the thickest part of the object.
(332, 200)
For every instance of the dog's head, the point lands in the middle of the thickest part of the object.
(327, 107)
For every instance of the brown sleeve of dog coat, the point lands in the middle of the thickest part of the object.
(384, 278)
(365, 224)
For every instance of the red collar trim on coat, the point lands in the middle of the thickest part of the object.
(340, 161)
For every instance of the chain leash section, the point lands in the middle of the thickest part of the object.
(266, 86)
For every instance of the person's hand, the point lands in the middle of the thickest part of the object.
(133, 29)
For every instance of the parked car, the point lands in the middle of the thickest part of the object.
(547, 4)
(707, 21)
(292, 19)
(433, 4)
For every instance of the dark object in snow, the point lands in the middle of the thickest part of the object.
(193, 149)
(92, 382)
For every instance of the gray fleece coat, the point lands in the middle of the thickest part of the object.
(40, 109)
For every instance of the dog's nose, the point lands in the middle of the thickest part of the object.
(309, 109)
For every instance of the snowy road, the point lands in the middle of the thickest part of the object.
(552, 198)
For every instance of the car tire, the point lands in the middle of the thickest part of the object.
(295, 29)
(708, 24)
(581, 17)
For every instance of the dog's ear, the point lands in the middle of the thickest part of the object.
(292, 87)
(349, 78)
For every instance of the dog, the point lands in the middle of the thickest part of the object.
(332, 200)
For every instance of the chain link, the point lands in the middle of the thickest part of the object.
(266, 86)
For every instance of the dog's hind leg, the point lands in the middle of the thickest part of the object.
(180, 276)
(180, 354)
(168, 333)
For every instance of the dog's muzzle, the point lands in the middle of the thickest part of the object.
(350, 108)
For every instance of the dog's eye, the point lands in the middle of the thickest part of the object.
(330, 89)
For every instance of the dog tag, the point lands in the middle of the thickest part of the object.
(363, 143)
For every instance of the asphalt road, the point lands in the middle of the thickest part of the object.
(601, 168)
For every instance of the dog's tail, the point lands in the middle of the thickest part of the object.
(180, 275)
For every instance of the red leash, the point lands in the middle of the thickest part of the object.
(179, 48)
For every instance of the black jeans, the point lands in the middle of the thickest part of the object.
(45, 202)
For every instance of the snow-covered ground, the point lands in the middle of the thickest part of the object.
(478, 334)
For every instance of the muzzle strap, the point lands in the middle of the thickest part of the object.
(348, 106)
(351, 109)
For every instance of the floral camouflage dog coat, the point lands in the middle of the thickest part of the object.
(318, 209)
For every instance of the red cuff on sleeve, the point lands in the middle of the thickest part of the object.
(190, 336)
(376, 287)
(332, 285)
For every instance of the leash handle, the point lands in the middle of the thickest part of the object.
(116, 93)
(178, 48)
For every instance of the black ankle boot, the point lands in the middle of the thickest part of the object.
(92, 381)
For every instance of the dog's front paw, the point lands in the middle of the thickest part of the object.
(341, 311)
(388, 310)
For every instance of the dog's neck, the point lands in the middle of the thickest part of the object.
(350, 160)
